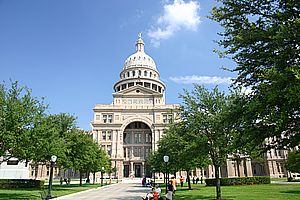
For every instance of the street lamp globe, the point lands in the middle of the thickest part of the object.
(166, 159)
(53, 158)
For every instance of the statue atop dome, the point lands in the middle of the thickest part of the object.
(140, 44)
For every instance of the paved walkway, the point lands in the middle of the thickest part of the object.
(126, 191)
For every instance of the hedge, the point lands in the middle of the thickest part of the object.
(240, 181)
(21, 183)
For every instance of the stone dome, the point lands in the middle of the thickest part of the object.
(139, 58)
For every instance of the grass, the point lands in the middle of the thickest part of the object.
(38, 194)
(250, 192)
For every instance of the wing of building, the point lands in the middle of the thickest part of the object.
(130, 127)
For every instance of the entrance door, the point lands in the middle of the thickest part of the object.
(126, 170)
(137, 170)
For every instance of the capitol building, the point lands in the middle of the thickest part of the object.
(130, 128)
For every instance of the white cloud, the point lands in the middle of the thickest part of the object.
(202, 79)
(177, 16)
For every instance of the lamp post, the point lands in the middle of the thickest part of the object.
(52, 162)
(102, 169)
(166, 160)
(154, 177)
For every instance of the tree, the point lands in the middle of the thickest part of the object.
(207, 114)
(293, 161)
(51, 138)
(84, 154)
(20, 114)
(263, 38)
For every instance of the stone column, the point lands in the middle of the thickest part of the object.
(248, 166)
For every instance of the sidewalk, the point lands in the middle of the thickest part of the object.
(120, 191)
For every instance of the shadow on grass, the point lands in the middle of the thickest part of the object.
(194, 197)
(18, 196)
(291, 192)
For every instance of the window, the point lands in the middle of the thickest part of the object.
(167, 118)
(154, 87)
(108, 135)
(150, 74)
(136, 138)
(147, 138)
(140, 73)
(146, 152)
(12, 162)
(133, 73)
(140, 138)
(107, 118)
(104, 135)
(135, 152)
(128, 74)
(109, 150)
(147, 85)
(145, 73)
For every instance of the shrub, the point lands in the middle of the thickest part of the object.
(240, 181)
(21, 183)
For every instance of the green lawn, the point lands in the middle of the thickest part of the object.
(36, 194)
(251, 192)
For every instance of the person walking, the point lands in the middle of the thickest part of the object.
(169, 195)
(181, 181)
(174, 183)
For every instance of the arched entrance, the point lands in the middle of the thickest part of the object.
(137, 144)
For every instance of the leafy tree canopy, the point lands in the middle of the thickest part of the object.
(263, 38)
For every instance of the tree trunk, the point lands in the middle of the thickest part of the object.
(218, 184)
(245, 167)
(201, 175)
(188, 179)
(88, 177)
(80, 178)
(238, 167)
(94, 177)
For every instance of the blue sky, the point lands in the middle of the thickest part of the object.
(72, 51)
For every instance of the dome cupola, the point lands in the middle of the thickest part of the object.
(140, 71)
(139, 58)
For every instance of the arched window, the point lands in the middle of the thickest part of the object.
(145, 73)
(128, 74)
(133, 73)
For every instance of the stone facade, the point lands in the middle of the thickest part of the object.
(130, 127)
